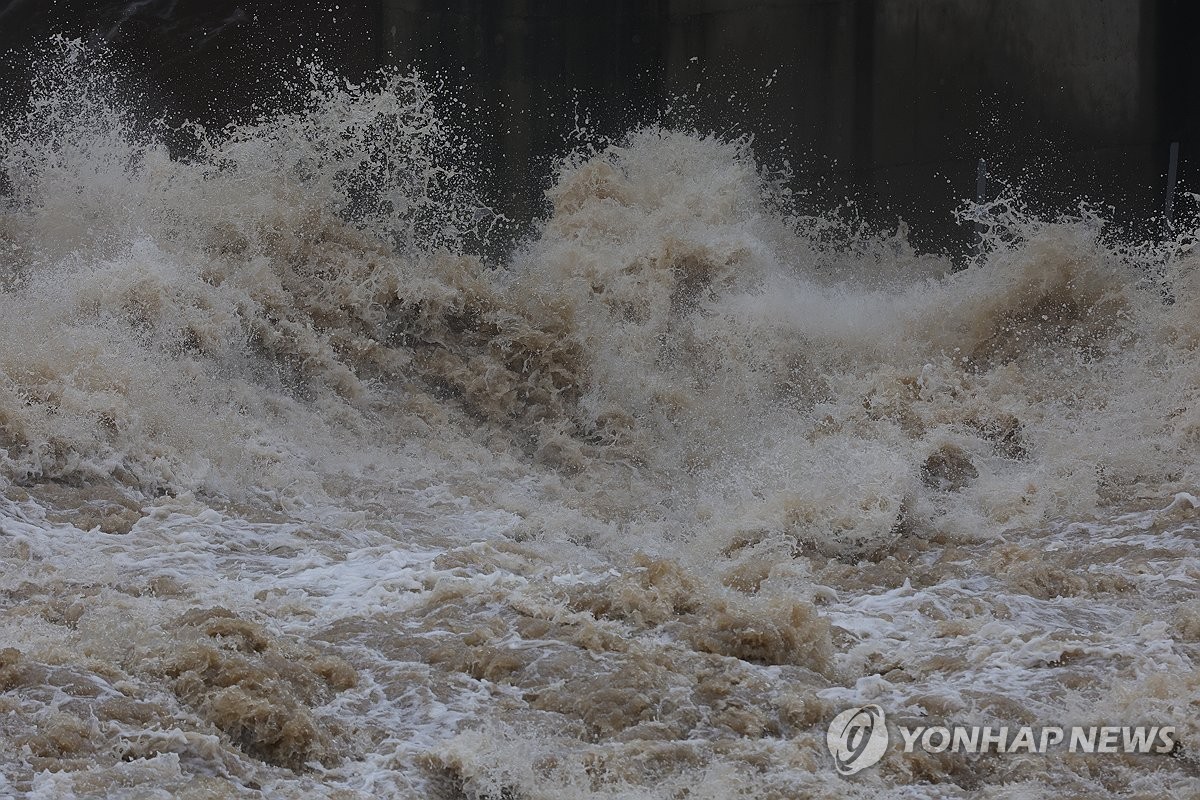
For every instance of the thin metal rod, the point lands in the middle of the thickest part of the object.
(980, 196)
(1172, 172)
(981, 182)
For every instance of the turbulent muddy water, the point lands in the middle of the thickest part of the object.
(301, 497)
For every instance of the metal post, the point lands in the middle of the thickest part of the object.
(980, 196)
(1172, 172)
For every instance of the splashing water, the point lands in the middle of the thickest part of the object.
(302, 496)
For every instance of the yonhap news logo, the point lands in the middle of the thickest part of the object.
(858, 739)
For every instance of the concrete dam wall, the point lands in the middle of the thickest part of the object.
(893, 101)
(890, 101)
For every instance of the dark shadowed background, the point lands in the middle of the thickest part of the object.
(892, 102)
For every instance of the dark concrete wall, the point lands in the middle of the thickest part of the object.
(892, 101)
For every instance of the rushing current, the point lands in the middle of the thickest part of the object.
(303, 496)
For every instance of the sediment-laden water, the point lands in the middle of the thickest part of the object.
(302, 497)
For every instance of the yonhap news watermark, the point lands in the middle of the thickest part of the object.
(858, 738)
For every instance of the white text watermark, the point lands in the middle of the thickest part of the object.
(858, 738)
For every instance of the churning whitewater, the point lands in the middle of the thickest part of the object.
(303, 496)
